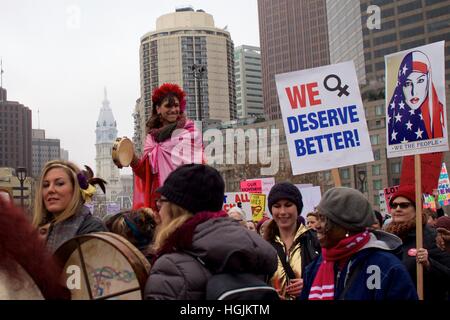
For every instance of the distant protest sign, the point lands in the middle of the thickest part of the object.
(383, 205)
(323, 118)
(251, 186)
(257, 205)
(444, 187)
(429, 202)
(112, 207)
(388, 193)
(416, 119)
(266, 185)
(310, 197)
(233, 199)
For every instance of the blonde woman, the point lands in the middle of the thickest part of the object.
(60, 213)
(197, 239)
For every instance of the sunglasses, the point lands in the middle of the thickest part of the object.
(402, 205)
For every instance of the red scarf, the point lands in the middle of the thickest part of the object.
(181, 238)
(323, 284)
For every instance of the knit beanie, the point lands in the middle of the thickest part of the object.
(347, 208)
(194, 187)
(407, 191)
(443, 222)
(260, 223)
(285, 191)
(239, 211)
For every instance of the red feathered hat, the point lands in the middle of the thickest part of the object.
(160, 93)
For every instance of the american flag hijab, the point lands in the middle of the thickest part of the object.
(411, 107)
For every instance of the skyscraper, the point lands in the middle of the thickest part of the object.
(345, 34)
(247, 68)
(404, 25)
(106, 134)
(15, 134)
(44, 150)
(186, 48)
(293, 36)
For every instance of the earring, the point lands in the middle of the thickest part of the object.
(347, 234)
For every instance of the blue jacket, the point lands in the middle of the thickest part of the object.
(373, 273)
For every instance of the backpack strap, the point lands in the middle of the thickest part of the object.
(284, 260)
(309, 248)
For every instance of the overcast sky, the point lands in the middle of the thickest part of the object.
(59, 66)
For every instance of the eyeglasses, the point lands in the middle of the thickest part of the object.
(402, 205)
(160, 202)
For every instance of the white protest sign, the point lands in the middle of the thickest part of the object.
(310, 197)
(416, 119)
(383, 205)
(323, 118)
(231, 199)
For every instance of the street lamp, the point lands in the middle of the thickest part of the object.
(21, 174)
(362, 179)
(198, 72)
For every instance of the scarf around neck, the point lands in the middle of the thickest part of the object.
(323, 284)
(181, 238)
(165, 132)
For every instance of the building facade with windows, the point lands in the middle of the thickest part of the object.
(405, 24)
(345, 34)
(293, 36)
(247, 68)
(187, 49)
(44, 150)
(15, 134)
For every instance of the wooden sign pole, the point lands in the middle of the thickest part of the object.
(419, 234)
(336, 177)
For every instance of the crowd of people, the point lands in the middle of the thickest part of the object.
(344, 250)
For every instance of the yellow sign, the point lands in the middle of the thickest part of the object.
(257, 204)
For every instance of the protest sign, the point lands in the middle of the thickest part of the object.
(416, 119)
(310, 197)
(112, 207)
(428, 202)
(323, 118)
(257, 205)
(251, 186)
(383, 205)
(388, 193)
(232, 199)
(266, 185)
(444, 187)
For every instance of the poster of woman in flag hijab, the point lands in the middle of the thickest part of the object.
(415, 101)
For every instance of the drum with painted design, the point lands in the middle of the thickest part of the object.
(103, 265)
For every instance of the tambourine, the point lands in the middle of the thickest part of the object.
(103, 265)
(122, 152)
